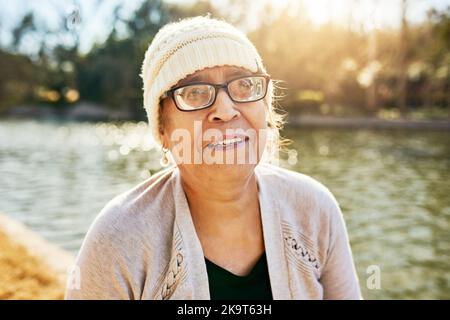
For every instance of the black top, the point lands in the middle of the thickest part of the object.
(224, 285)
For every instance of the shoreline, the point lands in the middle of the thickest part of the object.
(30, 266)
(292, 122)
(367, 123)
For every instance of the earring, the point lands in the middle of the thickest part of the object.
(165, 159)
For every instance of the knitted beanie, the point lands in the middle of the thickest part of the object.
(184, 47)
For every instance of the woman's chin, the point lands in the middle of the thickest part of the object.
(227, 171)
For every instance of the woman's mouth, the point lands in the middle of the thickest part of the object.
(229, 143)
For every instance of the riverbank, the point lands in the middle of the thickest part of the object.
(368, 123)
(83, 111)
(30, 267)
(98, 113)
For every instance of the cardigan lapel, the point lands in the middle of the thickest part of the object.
(273, 238)
(197, 273)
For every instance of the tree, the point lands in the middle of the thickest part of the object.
(403, 57)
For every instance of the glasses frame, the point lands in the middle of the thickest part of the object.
(170, 93)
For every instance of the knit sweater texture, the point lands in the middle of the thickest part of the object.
(143, 244)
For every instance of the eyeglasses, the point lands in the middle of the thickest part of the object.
(202, 95)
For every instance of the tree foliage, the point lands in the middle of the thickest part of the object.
(327, 68)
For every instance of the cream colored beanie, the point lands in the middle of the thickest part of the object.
(184, 47)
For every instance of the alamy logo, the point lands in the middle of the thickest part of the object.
(374, 280)
(73, 278)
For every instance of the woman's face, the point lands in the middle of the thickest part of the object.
(226, 138)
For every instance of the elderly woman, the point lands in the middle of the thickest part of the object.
(221, 222)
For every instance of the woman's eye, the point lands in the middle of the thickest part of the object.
(195, 92)
(245, 84)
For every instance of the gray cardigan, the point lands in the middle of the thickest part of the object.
(143, 244)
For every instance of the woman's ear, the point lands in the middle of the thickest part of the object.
(163, 139)
(161, 130)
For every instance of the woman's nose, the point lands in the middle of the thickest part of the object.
(223, 108)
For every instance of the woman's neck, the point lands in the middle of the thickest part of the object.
(222, 206)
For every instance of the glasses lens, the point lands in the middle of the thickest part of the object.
(248, 89)
(194, 96)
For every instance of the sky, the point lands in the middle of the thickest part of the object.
(96, 15)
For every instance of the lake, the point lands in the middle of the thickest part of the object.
(392, 185)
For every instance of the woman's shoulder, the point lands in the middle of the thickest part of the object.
(294, 185)
(137, 208)
(123, 238)
(301, 200)
(309, 213)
